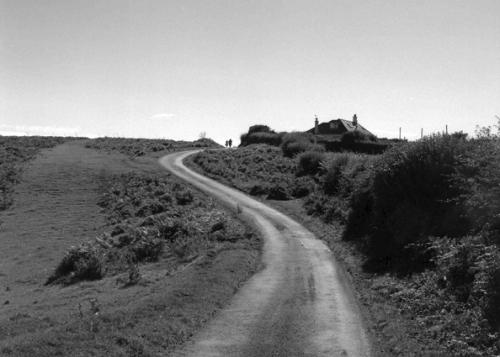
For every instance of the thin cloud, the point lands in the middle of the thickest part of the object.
(162, 116)
(39, 130)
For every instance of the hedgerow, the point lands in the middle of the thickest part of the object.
(412, 196)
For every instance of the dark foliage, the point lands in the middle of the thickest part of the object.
(258, 128)
(309, 163)
(295, 143)
(80, 263)
(278, 192)
(352, 137)
(365, 147)
(412, 196)
(270, 138)
(260, 134)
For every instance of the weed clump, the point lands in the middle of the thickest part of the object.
(80, 263)
(309, 163)
(278, 192)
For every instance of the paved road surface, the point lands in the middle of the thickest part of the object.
(299, 304)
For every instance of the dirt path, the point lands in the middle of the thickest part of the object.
(299, 305)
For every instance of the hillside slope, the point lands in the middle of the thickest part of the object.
(56, 207)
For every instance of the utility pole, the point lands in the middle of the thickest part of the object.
(399, 133)
(421, 133)
(446, 129)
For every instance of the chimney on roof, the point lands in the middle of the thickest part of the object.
(355, 120)
(316, 122)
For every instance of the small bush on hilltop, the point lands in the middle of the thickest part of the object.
(260, 134)
(259, 128)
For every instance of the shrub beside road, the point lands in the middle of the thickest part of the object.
(421, 221)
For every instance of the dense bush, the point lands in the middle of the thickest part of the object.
(365, 147)
(309, 162)
(295, 143)
(479, 175)
(147, 248)
(278, 192)
(80, 263)
(259, 128)
(270, 138)
(351, 137)
(260, 134)
(253, 169)
(412, 196)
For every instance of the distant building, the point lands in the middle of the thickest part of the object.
(337, 127)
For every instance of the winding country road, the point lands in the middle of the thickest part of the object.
(299, 304)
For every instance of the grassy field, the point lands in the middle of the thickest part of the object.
(147, 147)
(105, 253)
(417, 227)
(14, 152)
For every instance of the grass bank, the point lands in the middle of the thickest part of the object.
(143, 264)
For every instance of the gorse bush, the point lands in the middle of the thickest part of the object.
(345, 173)
(255, 169)
(479, 175)
(412, 196)
(295, 143)
(352, 137)
(260, 134)
(309, 162)
(333, 168)
(80, 263)
(261, 138)
(259, 128)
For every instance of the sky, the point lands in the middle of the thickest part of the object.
(177, 69)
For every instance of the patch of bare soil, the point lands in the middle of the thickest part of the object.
(56, 207)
